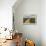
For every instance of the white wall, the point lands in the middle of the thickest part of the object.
(6, 13)
(43, 22)
(35, 32)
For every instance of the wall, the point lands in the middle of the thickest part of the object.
(28, 7)
(43, 22)
(6, 13)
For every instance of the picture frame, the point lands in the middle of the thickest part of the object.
(31, 19)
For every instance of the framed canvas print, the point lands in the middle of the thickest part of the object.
(29, 19)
